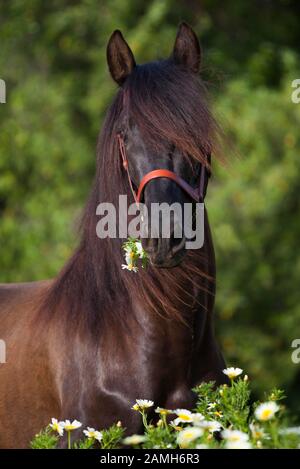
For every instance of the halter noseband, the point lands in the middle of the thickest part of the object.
(197, 194)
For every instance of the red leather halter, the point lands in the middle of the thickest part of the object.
(197, 194)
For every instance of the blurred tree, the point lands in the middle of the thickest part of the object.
(253, 207)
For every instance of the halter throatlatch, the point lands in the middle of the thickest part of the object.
(197, 194)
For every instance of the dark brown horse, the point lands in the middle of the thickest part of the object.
(88, 343)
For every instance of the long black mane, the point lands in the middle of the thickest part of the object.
(169, 105)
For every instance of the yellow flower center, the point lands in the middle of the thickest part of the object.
(70, 427)
(266, 414)
(185, 417)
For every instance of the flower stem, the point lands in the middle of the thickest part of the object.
(144, 418)
(164, 419)
(274, 434)
(69, 440)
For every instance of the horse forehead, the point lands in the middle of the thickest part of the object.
(144, 151)
(165, 154)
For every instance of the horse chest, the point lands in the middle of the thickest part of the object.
(153, 361)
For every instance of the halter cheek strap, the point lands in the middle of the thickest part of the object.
(125, 165)
(197, 194)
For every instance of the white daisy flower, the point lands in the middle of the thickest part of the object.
(93, 434)
(211, 425)
(266, 411)
(201, 446)
(162, 411)
(234, 436)
(139, 249)
(232, 372)
(257, 432)
(189, 434)
(175, 426)
(129, 257)
(238, 445)
(197, 418)
(129, 267)
(142, 404)
(211, 406)
(134, 439)
(69, 426)
(57, 426)
(183, 416)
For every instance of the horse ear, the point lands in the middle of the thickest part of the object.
(120, 58)
(187, 50)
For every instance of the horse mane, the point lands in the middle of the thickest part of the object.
(170, 107)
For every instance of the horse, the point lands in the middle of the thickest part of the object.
(86, 344)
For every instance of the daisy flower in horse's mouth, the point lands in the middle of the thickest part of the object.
(57, 426)
(93, 434)
(130, 267)
(142, 404)
(68, 426)
(232, 372)
(139, 248)
(266, 411)
(134, 252)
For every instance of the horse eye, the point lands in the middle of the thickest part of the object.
(125, 138)
(196, 167)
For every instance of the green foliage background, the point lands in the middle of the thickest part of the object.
(52, 57)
